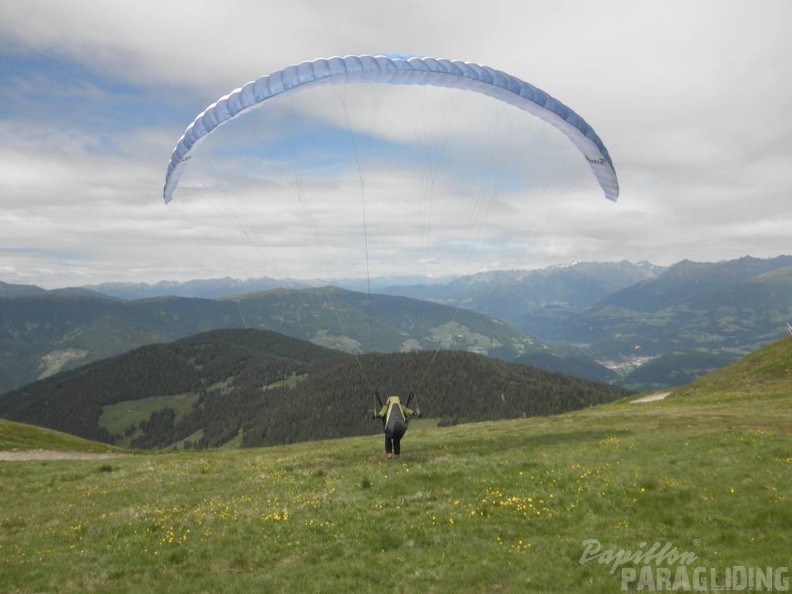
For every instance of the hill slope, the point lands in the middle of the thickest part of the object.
(766, 373)
(21, 436)
(516, 502)
(41, 335)
(263, 388)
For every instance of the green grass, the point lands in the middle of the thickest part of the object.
(289, 382)
(490, 507)
(115, 418)
(19, 436)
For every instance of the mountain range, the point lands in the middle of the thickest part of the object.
(256, 387)
(638, 325)
(42, 335)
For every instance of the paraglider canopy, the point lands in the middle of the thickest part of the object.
(397, 70)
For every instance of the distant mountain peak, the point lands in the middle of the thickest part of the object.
(12, 290)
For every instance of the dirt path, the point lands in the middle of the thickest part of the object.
(651, 398)
(28, 455)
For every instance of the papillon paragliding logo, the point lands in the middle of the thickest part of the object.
(661, 567)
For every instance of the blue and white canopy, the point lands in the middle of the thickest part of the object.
(397, 71)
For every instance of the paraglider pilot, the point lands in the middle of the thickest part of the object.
(395, 417)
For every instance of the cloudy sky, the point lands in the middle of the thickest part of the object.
(692, 100)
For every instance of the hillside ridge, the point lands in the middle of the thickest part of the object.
(264, 388)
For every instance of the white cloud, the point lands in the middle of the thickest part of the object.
(690, 98)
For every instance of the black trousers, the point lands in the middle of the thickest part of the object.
(393, 434)
(393, 445)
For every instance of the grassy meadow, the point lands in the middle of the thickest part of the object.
(488, 507)
(18, 436)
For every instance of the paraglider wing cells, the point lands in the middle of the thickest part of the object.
(397, 71)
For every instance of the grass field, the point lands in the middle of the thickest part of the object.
(18, 436)
(116, 418)
(512, 506)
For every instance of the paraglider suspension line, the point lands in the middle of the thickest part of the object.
(362, 178)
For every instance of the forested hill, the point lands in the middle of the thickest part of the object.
(253, 387)
(41, 335)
